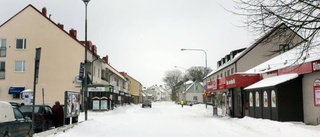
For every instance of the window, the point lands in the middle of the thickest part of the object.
(195, 98)
(3, 47)
(94, 71)
(232, 70)
(228, 72)
(19, 66)
(2, 69)
(21, 43)
(16, 96)
(98, 72)
(283, 48)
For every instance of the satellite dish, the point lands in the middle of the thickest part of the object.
(77, 80)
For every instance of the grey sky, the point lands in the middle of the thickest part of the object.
(144, 37)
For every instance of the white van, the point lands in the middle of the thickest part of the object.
(13, 122)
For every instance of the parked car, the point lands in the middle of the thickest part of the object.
(15, 104)
(43, 116)
(146, 103)
(13, 122)
(190, 103)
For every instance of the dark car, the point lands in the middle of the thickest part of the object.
(43, 116)
(146, 103)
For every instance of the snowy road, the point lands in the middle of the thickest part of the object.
(166, 119)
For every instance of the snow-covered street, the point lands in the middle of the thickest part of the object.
(166, 119)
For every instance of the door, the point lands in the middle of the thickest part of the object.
(21, 125)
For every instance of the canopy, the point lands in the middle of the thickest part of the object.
(272, 81)
(16, 90)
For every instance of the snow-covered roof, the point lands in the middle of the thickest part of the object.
(272, 81)
(295, 56)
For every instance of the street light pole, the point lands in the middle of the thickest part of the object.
(205, 71)
(85, 92)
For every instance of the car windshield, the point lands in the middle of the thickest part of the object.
(147, 101)
(29, 109)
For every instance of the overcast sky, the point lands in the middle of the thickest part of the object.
(144, 37)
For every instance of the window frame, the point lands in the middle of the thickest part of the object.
(3, 47)
(23, 66)
(24, 44)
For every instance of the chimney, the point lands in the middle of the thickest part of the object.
(106, 59)
(60, 26)
(94, 49)
(73, 33)
(44, 11)
(89, 45)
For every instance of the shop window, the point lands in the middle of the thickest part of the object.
(257, 99)
(273, 99)
(16, 96)
(265, 99)
(250, 99)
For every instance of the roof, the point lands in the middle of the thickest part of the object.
(272, 81)
(296, 56)
(31, 6)
(240, 55)
(108, 66)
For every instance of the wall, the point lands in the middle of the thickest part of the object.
(311, 112)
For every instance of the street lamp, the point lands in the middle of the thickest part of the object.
(205, 71)
(85, 84)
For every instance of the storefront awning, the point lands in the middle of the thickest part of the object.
(15, 90)
(272, 81)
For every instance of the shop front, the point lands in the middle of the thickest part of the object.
(219, 96)
(237, 102)
(277, 98)
(100, 97)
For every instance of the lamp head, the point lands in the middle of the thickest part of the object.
(86, 1)
(183, 49)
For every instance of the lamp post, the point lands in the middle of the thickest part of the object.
(205, 71)
(85, 84)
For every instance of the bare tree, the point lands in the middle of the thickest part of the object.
(301, 16)
(171, 79)
(197, 73)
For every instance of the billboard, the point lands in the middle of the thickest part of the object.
(72, 104)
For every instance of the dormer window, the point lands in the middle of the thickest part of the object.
(283, 48)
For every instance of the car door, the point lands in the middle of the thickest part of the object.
(22, 126)
(49, 115)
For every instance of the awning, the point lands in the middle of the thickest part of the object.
(15, 90)
(272, 81)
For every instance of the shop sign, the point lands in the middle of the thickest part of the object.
(270, 74)
(231, 82)
(222, 83)
(214, 84)
(316, 91)
(316, 66)
(99, 89)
